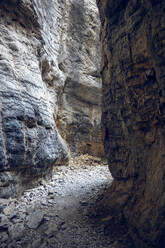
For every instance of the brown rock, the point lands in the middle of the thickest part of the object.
(133, 72)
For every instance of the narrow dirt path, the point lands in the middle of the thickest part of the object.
(66, 212)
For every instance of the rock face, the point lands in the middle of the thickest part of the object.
(79, 114)
(133, 71)
(29, 141)
(42, 51)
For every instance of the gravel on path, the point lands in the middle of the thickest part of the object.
(65, 212)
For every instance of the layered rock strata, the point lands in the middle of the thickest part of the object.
(133, 72)
(79, 115)
(42, 51)
(29, 45)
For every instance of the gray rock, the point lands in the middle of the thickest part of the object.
(52, 229)
(51, 191)
(3, 236)
(9, 210)
(3, 245)
(29, 140)
(16, 231)
(62, 226)
(83, 203)
(13, 216)
(36, 243)
(49, 77)
(35, 219)
(4, 222)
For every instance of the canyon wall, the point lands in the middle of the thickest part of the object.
(79, 114)
(133, 72)
(49, 60)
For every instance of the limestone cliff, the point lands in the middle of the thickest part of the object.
(133, 72)
(46, 59)
(79, 114)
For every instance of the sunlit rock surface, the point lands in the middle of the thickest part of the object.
(79, 114)
(46, 58)
(133, 71)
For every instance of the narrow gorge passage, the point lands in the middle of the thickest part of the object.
(66, 212)
(59, 85)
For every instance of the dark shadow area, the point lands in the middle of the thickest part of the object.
(105, 223)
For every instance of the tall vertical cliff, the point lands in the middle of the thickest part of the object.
(133, 72)
(49, 60)
(79, 114)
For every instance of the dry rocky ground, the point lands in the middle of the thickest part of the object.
(64, 212)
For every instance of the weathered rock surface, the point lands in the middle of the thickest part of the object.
(133, 71)
(49, 57)
(29, 141)
(79, 114)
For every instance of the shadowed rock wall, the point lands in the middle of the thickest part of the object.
(133, 72)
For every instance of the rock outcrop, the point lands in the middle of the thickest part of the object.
(133, 72)
(46, 60)
(79, 114)
(29, 141)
